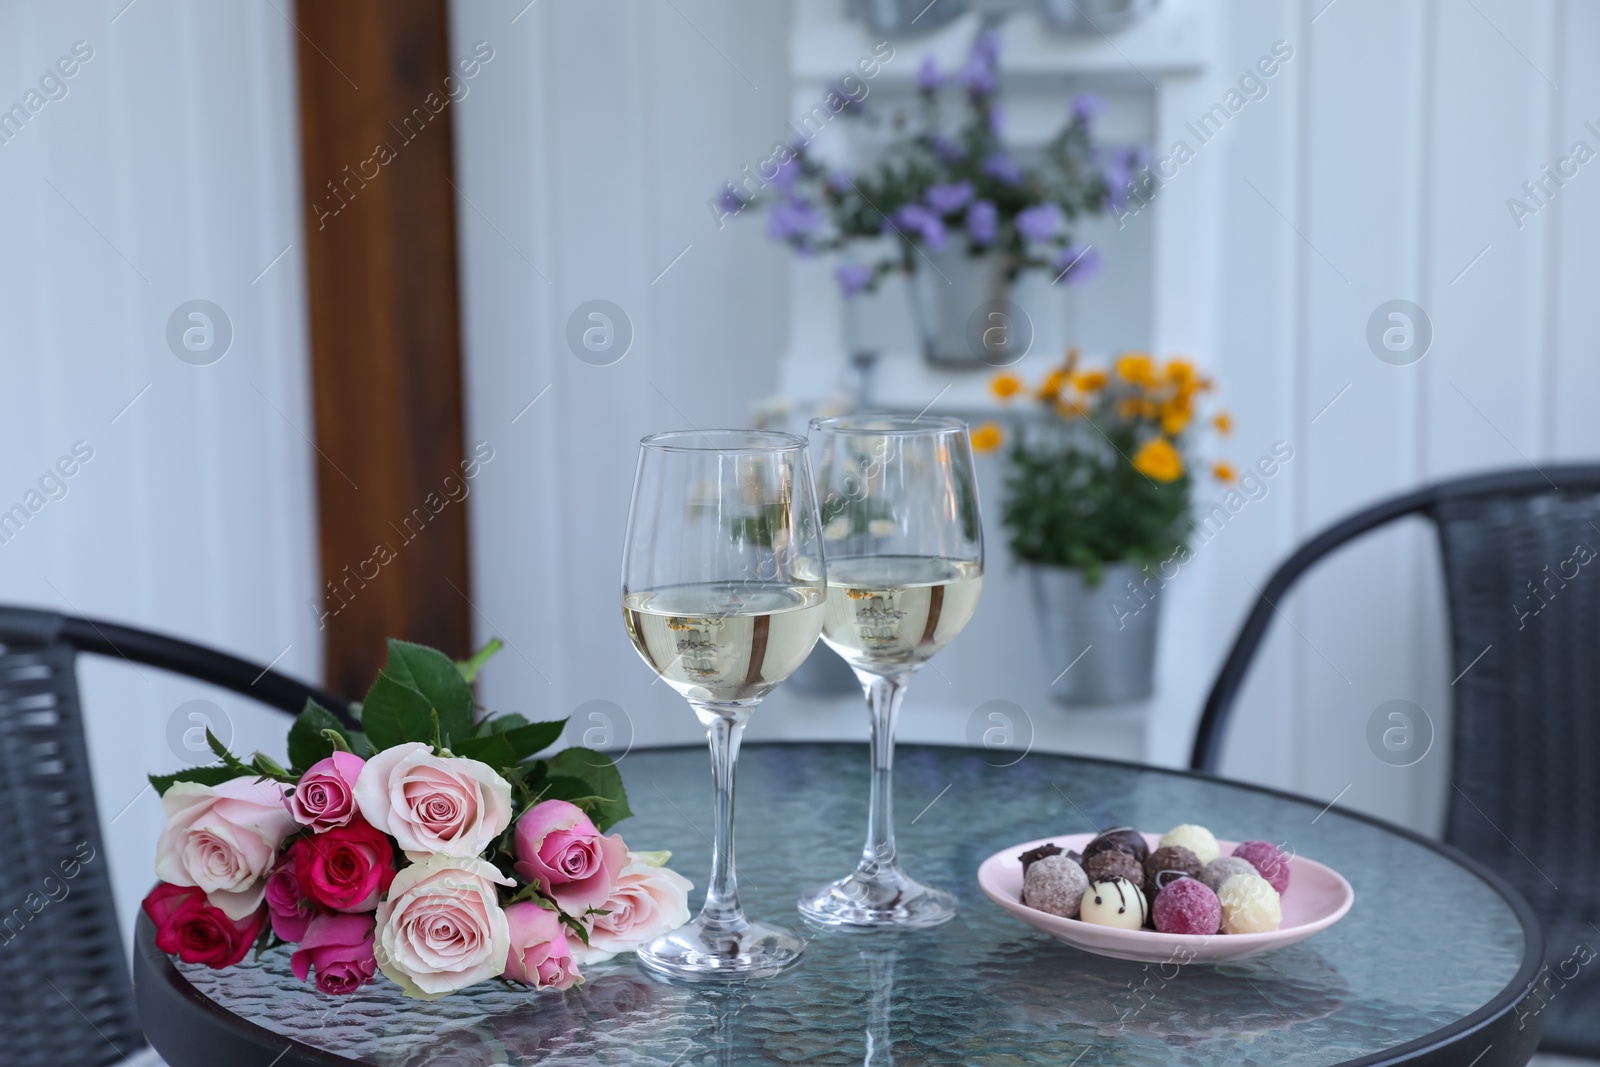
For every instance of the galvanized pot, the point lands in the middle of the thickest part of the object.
(1094, 17)
(902, 17)
(1101, 637)
(947, 288)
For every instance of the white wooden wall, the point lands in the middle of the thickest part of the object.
(1377, 168)
(168, 172)
(1403, 131)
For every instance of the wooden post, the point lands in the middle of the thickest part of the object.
(385, 337)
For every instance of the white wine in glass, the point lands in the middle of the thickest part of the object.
(903, 541)
(724, 641)
(723, 595)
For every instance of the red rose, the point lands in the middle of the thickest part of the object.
(196, 932)
(345, 869)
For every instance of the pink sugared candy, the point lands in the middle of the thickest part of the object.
(1268, 859)
(1187, 906)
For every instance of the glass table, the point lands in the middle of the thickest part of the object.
(1434, 964)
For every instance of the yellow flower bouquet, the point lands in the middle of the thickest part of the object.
(1106, 476)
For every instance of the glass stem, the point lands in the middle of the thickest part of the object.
(721, 909)
(883, 699)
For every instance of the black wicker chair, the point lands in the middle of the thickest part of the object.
(65, 993)
(1521, 554)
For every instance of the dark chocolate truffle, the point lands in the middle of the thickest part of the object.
(1129, 841)
(1179, 861)
(1034, 855)
(1111, 864)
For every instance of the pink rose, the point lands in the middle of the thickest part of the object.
(287, 904)
(433, 805)
(346, 868)
(196, 932)
(649, 900)
(224, 839)
(340, 948)
(441, 928)
(560, 849)
(325, 796)
(540, 954)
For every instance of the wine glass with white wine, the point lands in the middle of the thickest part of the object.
(904, 547)
(723, 594)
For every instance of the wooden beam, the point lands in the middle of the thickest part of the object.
(385, 335)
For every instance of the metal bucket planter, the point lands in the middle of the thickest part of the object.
(1094, 16)
(1106, 632)
(901, 17)
(947, 289)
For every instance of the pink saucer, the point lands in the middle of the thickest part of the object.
(1317, 898)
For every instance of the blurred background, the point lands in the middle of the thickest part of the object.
(299, 293)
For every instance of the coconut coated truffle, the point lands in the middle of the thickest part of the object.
(1056, 885)
(1222, 868)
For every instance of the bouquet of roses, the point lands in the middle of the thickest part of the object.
(429, 845)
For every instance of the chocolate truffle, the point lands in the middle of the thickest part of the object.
(1034, 855)
(1129, 841)
(1222, 868)
(1054, 884)
(1196, 839)
(1167, 863)
(1119, 903)
(1112, 864)
(1249, 905)
(1270, 860)
(1186, 906)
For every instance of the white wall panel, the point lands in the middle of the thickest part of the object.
(169, 172)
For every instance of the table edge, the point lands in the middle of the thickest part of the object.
(163, 993)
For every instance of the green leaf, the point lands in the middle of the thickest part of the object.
(228, 758)
(469, 668)
(204, 775)
(494, 750)
(575, 791)
(308, 742)
(597, 769)
(336, 739)
(506, 748)
(432, 674)
(499, 724)
(394, 714)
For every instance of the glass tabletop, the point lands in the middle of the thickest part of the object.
(1427, 943)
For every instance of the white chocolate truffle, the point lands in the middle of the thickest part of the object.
(1117, 903)
(1196, 839)
(1056, 885)
(1249, 905)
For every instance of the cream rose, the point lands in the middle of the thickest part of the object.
(433, 805)
(648, 900)
(223, 839)
(442, 929)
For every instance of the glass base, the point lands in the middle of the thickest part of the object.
(888, 899)
(705, 951)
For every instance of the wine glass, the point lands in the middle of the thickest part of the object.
(723, 591)
(904, 547)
